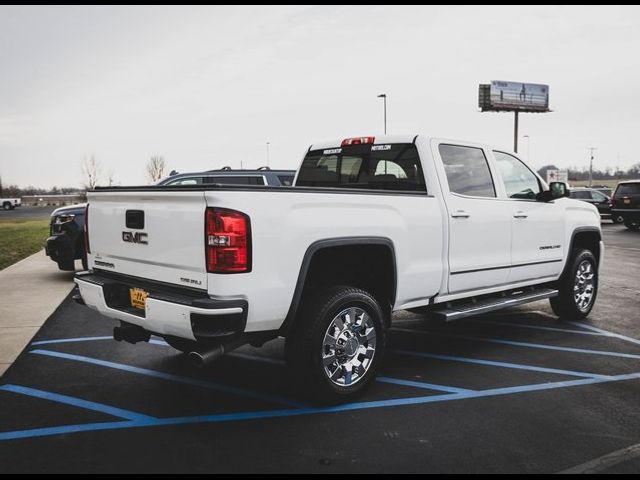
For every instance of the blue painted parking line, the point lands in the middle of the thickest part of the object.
(423, 385)
(537, 327)
(70, 340)
(607, 333)
(518, 344)
(75, 402)
(173, 378)
(265, 414)
(274, 361)
(493, 363)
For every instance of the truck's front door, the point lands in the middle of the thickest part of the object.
(537, 233)
(479, 221)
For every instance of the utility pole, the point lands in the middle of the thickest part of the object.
(591, 149)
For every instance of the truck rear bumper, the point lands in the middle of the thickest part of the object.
(168, 311)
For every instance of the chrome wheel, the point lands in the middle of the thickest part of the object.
(584, 285)
(349, 346)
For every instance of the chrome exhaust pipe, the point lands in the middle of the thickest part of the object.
(210, 353)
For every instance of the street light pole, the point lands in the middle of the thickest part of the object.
(384, 97)
(268, 143)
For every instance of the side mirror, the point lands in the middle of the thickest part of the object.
(559, 189)
(556, 190)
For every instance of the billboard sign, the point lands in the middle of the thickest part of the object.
(557, 176)
(518, 96)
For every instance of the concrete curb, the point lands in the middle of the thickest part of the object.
(30, 291)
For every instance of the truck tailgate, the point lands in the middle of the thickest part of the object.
(153, 235)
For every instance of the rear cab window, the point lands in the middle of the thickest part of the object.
(393, 166)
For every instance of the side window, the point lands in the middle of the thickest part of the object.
(286, 180)
(186, 181)
(467, 171)
(580, 195)
(234, 180)
(519, 181)
(597, 196)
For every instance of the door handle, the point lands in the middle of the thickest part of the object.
(460, 214)
(520, 215)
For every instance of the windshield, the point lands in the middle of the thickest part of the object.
(379, 167)
(628, 189)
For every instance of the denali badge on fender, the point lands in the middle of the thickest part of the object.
(135, 237)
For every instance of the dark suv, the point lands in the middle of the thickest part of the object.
(601, 201)
(65, 244)
(626, 203)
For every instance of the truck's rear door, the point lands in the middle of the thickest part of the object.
(152, 234)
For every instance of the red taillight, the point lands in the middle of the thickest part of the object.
(357, 141)
(86, 230)
(227, 238)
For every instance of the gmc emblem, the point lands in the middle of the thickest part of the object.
(135, 237)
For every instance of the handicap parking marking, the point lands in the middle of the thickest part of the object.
(276, 399)
(515, 343)
(450, 393)
(267, 414)
(75, 402)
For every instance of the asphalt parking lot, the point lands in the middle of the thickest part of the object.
(514, 391)
(26, 213)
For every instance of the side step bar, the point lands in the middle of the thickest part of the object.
(490, 304)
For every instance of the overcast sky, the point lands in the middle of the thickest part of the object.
(209, 86)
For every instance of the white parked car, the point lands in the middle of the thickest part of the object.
(10, 203)
(371, 226)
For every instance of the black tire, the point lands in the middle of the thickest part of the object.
(6, 206)
(181, 344)
(565, 305)
(631, 225)
(306, 344)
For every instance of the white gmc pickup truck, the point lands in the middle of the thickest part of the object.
(371, 226)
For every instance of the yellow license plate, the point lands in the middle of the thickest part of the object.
(138, 297)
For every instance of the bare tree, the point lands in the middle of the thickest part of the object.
(110, 180)
(155, 168)
(91, 169)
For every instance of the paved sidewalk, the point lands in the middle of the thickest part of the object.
(30, 291)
